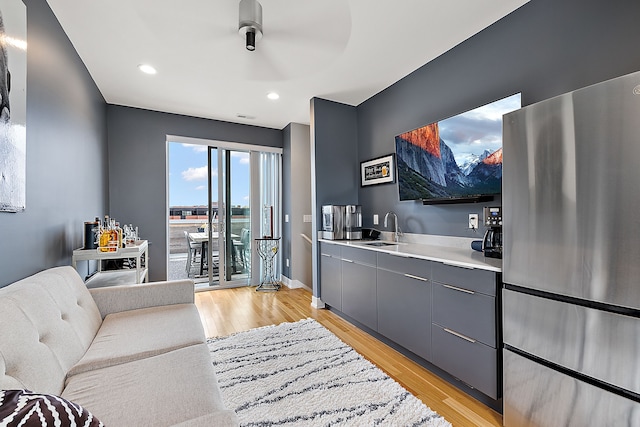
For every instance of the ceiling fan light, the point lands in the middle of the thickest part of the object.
(251, 40)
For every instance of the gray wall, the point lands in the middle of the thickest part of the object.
(66, 154)
(543, 49)
(335, 175)
(296, 201)
(138, 167)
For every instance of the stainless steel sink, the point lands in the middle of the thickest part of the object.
(381, 244)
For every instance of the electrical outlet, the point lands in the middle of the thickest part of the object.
(375, 219)
(473, 221)
(287, 262)
(286, 218)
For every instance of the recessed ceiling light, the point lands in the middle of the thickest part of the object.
(273, 96)
(147, 69)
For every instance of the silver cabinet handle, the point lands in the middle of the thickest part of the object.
(411, 276)
(471, 340)
(347, 260)
(328, 256)
(466, 291)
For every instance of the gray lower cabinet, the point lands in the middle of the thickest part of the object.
(464, 326)
(446, 314)
(404, 302)
(331, 275)
(465, 311)
(359, 286)
(467, 359)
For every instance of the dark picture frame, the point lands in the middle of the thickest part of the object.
(381, 170)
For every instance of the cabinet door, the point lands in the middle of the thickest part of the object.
(331, 281)
(404, 305)
(359, 293)
(469, 360)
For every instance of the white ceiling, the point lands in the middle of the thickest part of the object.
(341, 50)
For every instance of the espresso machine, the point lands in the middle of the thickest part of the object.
(353, 222)
(492, 242)
(333, 222)
(342, 222)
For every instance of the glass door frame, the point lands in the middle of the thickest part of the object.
(225, 215)
(254, 200)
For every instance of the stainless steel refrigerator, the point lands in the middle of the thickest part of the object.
(571, 259)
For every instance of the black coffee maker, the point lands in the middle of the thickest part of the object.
(492, 242)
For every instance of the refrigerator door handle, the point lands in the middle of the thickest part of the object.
(455, 288)
(459, 335)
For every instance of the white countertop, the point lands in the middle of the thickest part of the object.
(454, 254)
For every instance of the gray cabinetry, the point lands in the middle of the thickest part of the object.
(404, 302)
(359, 285)
(466, 359)
(465, 311)
(331, 275)
(445, 314)
(464, 326)
(482, 281)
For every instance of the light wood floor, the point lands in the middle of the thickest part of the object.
(226, 311)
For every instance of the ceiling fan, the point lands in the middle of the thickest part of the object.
(287, 39)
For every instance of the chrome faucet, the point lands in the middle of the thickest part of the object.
(396, 231)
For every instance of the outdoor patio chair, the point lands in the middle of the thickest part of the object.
(193, 253)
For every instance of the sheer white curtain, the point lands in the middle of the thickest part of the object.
(271, 200)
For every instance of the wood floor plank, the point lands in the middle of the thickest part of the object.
(226, 311)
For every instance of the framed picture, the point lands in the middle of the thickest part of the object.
(13, 105)
(378, 171)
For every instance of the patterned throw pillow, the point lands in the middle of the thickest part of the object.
(24, 408)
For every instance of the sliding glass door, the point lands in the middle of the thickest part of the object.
(234, 197)
(230, 216)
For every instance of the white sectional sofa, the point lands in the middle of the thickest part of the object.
(131, 355)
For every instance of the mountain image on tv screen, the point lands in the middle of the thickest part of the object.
(456, 158)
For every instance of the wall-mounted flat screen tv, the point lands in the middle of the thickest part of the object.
(458, 159)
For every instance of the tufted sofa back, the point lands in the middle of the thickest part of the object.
(47, 322)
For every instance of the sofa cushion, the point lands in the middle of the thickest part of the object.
(48, 322)
(25, 408)
(114, 299)
(136, 334)
(162, 390)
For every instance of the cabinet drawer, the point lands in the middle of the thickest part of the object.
(404, 265)
(468, 278)
(330, 249)
(472, 362)
(361, 256)
(470, 313)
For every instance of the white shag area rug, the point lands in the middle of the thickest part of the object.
(300, 374)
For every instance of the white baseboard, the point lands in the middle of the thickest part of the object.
(293, 284)
(296, 284)
(316, 302)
